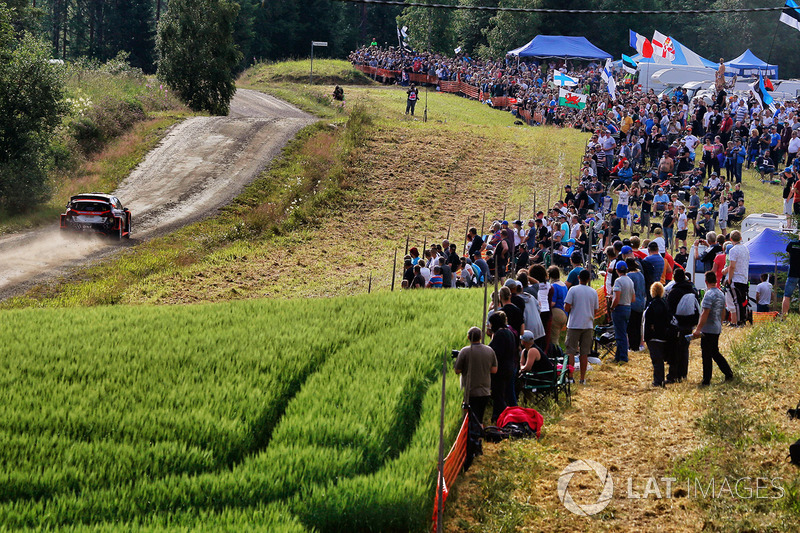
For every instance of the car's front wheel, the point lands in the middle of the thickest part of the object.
(128, 226)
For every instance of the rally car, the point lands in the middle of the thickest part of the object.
(97, 212)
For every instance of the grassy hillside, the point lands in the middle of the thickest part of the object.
(326, 72)
(264, 412)
(345, 194)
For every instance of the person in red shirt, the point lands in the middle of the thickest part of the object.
(669, 267)
(637, 253)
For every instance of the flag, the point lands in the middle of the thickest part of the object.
(663, 49)
(628, 64)
(608, 76)
(641, 44)
(402, 35)
(760, 92)
(791, 14)
(568, 98)
(563, 80)
(457, 50)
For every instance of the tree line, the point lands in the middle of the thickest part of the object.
(492, 33)
(280, 29)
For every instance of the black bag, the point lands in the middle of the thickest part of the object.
(794, 413)
(794, 453)
(495, 434)
(474, 436)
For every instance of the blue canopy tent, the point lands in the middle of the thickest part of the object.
(748, 64)
(765, 249)
(561, 47)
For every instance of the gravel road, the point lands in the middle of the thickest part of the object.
(199, 166)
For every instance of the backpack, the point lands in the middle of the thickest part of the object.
(687, 314)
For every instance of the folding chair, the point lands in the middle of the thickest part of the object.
(539, 385)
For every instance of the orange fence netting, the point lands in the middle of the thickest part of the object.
(452, 466)
(601, 299)
(767, 316)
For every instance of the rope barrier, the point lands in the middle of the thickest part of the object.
(570, 11)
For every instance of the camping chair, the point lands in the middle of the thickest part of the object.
(604, 341)
(540, 385)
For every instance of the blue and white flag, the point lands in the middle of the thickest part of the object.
(761, 94)
(608, 76)
(562, 80)
(457, 50)
(791, 14)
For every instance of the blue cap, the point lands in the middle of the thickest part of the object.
(788, 169)
(626, 250)
(505, 222)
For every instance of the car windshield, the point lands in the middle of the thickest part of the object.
(92, 207)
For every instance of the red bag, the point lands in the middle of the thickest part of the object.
(520, 415)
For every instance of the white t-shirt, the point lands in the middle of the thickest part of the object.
(682, 222)
(623, 197)
(794, 145)
(426, 273)
(662, 246)
(583, 300)
(764, 293)
(691, 142)
(741, 255)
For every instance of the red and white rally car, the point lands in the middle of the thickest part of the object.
(97, 212)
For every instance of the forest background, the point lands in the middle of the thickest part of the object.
(268, 30)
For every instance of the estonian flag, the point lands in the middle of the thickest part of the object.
(760, 92)
(628, 64)
(791, 14)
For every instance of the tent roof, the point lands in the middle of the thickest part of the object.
(748, 60)
(764, 249)
(560, 46)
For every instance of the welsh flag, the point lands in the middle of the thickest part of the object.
(570, 99)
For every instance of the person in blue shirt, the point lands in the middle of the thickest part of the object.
(660, 199)
(774, 145)
(653, 266)
(625, 174)
(741, 154)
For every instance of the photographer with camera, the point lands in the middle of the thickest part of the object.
(477, 363)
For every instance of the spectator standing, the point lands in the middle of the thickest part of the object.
(624, 295)
(655, 323)
(763, 294)
(637, 306)
(738, 271)
(558, 294)
(793, 249)
(678, 350)
(709, 328)
(412, 95)
(581, 303)
(504, 345)
(477, 363)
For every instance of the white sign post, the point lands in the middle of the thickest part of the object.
(311, 72)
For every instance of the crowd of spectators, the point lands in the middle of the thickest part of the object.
(659, 185)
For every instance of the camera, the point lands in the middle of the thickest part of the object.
(454, 353)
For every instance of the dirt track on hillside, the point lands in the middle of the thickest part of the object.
(201, 165)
